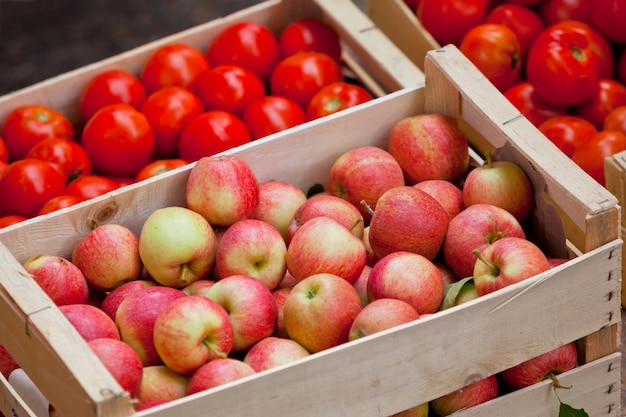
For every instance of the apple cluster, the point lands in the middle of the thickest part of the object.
(250, 275)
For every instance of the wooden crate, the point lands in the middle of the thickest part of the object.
(395, 369)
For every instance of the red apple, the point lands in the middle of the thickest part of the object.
(59, 278)
(280, 295)
(90, 322)
(288, 281)
(160, 384)
(278, 201)
(7, 363)
(361, 285)
(381, 314)
(446, 193)
(447, 273)
(272, 352)
(371, 256)
(113, 299)
(121, 361)
(199, 287)
(150, 404)
(218, 372)
(473, 394)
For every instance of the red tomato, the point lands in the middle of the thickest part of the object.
(611, 94)
(554, 11)
(608, 18)
(27, 184)
(70, 156)
(494, 50)
(158, 167)
(300, 76)
(91, 186)
(591, 154)
(334, 97)
(310, 35)
(169, 110)
(249, 44)
(616, 119)
(230, 88)
(118, 140)
(449, 20)
(174, 64)
(562, 66)
(271, 114)
(111, 87)
(4, 152)
(567, 132)
(59, 202)
(212, 132)
(524, 22)
(11, 219)
(525, 2)
(523, 96)
(27, 125)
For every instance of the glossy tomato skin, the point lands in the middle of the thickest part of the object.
(567, 132)
(168, 110)
(118, 139)
(299, 77)
(554, 11)
(212, 132)
(611, 94)
(523, 21)
(523, 96)
(158, 167)
(591, 154)
(248, 44)
(110, 87)
(310, 34)
(271, 114)
(26, 125)
(27, 184)
(91, 186)
(608, 18)
(449, 20)
(597, 43)
(335, 97)
(174, 64)
(70, 156)
(495, 51)
(230, 88)
(616, 120)
(11, 219)
(59, 202)
(4, 152)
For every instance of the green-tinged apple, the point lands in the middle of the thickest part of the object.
(507, 261)
(177, 246)
(108, 256)
(192, 331)
(361, 285)
(254, 248)
(363, 174)
(429, 147)
(381, 314)
(121, 361)
(278, 201)
(501, 183)
(475, 393)
(136, 315)
(324, 245)
(331, 206)
(59, 278)
(113, 299)
(446, 193)
(556, 361)
(474, 228)
(90, 321)
(199, 287)
(272, 352)
(408, 277)
(280, 295)
(408, 219)
(223, 189)
(319, 311)
(250, 306)
(218, 372)
(417, 411)
(160, 383)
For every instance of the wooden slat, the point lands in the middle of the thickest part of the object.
(615, 174)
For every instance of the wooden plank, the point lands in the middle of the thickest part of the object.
(615, 173)
(11, 403)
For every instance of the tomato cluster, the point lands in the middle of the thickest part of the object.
(184, 104)
(562, 63)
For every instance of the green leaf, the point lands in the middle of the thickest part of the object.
(452, 291)
(566, 410)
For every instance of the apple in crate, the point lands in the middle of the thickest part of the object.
(121, 361)
(361, 285)
(113, 299)
(160, 383)
(90, 321)
(7, 363)
(199, 287)
(250, 306)
(380, 315)
(417, 411)
(478, 392)
(192, 331)
(63, 281)
(108, 256)
(446, 193)
(218, 372)
(223, 189)
(319, 311)
(278, 201)
(280, 295)
(274, 351)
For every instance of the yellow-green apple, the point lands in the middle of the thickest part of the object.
(381, 314)
(409, 277)
(280, 295)
(446, 193)
(121, 361)
(7, 363)
(417, 411)
(250, 306)
(160, 383)
(408, 219)
(272, 352)
(254, 248)
(108, 256)
(361, 285)
(481, 391)
(136, 315)
(177, 246)
(501, 183)
(364, 173)
(331, 206)
(192, 331)
(474, 228)
(90, 322)
(319, 311)
(534, 370)
(199, 287)
(429, 147)
(458, 293)
(278, 201)
(113, 299)
(223, 189)
(218, 372)
(322, 244)
(63, 281)
(371, 256)
(507, 261)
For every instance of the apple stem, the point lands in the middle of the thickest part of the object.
(556, 382)
(367, 207)
(356, 223)
(492, 267)
(488, 158)
(94, 223)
